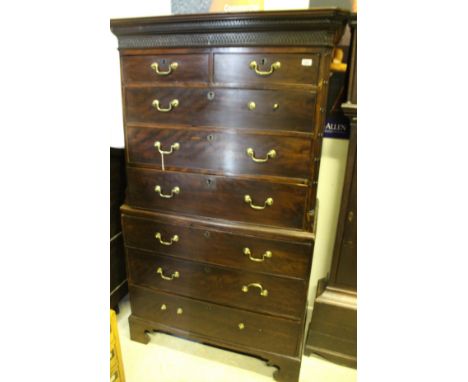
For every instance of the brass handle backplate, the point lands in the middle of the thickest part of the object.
(174, 147)
(254, 66)
(172, 105)
(155, 66)
(174, 239)
(174, 191)
(268, 202)
(175, 275)
(263, 292)
(251, 153)
(266, 255)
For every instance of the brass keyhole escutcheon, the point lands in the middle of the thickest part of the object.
(210, 95)
(241, 326)
(251, 105)
(207, 234)
(210, 138)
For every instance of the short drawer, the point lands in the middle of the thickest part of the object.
(239, 289)
(266, 68)
(219, 322)
(165, 68)
(219, 248)
(240, 152)
(228, 198)
(291, 110)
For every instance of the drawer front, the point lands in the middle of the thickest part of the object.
(260, 202)
(291, 110)
(284, 297)
(225, 152)
(165, 68)
(233, 325)
(261, 68)
(219, 248)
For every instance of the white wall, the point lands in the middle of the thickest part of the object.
(330, 185)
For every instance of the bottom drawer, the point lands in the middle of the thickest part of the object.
(228, 324)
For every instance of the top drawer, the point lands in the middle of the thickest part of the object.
(165, 68)
(266, 68)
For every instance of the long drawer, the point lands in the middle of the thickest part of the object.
(211, 320)
(229, 198)
(215, 247)
(284, 109)
(240, 152)
(253, 291)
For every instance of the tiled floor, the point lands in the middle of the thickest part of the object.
(169, 359)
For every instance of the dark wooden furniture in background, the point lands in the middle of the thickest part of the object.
(223, 123)
(332, 331)
(118, 275)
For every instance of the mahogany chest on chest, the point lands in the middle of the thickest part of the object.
(223, 118)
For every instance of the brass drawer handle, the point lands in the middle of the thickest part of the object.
(254, 66)
(175, 275)
(174, 147)
(174, 191)
(263, 292)
(241, 326)
(173, 104)
(270, 154)
(266, 255)
(180, 311)
(174, 239)
(268, 202)
(172, 66)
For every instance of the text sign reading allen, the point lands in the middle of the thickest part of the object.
(336, 127)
